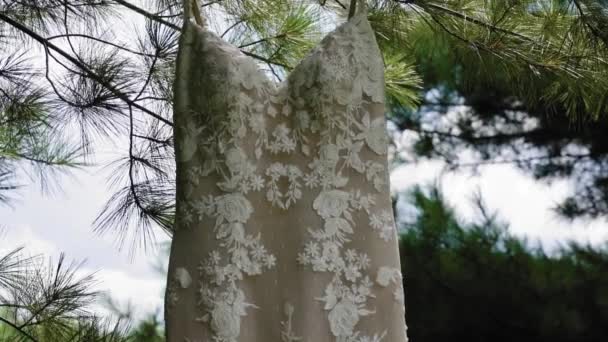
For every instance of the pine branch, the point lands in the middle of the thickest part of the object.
(505, 50)
(574, 157)
(266, 60)
(262, 40)
(50, 304)
(147, 14)
(99, 40)
(472, 20)
(479, 139)
(594, 30)
(90, 73)
(166, 142)
(491, 51)
(18, 329)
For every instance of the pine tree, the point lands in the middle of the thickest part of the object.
(69, 78)
(472, 280)
(50, 302)
(515, 82)
(547, 54)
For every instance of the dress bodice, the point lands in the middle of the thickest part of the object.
(284, 229)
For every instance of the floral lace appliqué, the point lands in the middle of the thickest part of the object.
(307, 138)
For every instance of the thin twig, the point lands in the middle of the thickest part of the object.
(154, 140)
(147, 14)
(574, 157)
(231, 27)
(77, 35)
(594, 30)
(263, 40)
(475, 21)
(15, 327)
(266, 60)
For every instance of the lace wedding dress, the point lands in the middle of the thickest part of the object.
(284, 229)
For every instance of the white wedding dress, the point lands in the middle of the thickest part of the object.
(284, 229)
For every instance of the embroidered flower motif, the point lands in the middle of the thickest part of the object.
(335, 228)
(189, 142)
(225, 322)
(224, 315)
(383, 224)
(357, 337)
(376, 137)
(204, 206)
(362, 201)
(332, 203)
(343, 318)
(329, 156)
(352, 272)
(287, 334)
(387, 275)
(220, 296)
(257, 122)
(225, 309)
(234, 231)
(303, 119)
(294, 192)
(354, 160)
(375, 173)
(248, 75)
(234, 208)
(236, 160)
(374, 133)
(282, 140)
(330, 257)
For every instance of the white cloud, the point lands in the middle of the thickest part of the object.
(525, 203)
(24, 236)
(134, 283)
(144, 295)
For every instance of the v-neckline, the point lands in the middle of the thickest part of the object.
(354, 20)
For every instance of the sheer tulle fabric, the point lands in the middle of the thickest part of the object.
(284, 229)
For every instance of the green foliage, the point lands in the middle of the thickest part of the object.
(148, 330)
(403, 84)
(42, 302)
(473, 281)
(280, 32)
(508, 77)
(49, 303)
(518, 82)
(542, 51)
(29, 140)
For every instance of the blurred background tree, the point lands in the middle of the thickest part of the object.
(473, 281)
(472, 82)
(518, 82)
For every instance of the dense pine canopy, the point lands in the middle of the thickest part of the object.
(473, 281)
